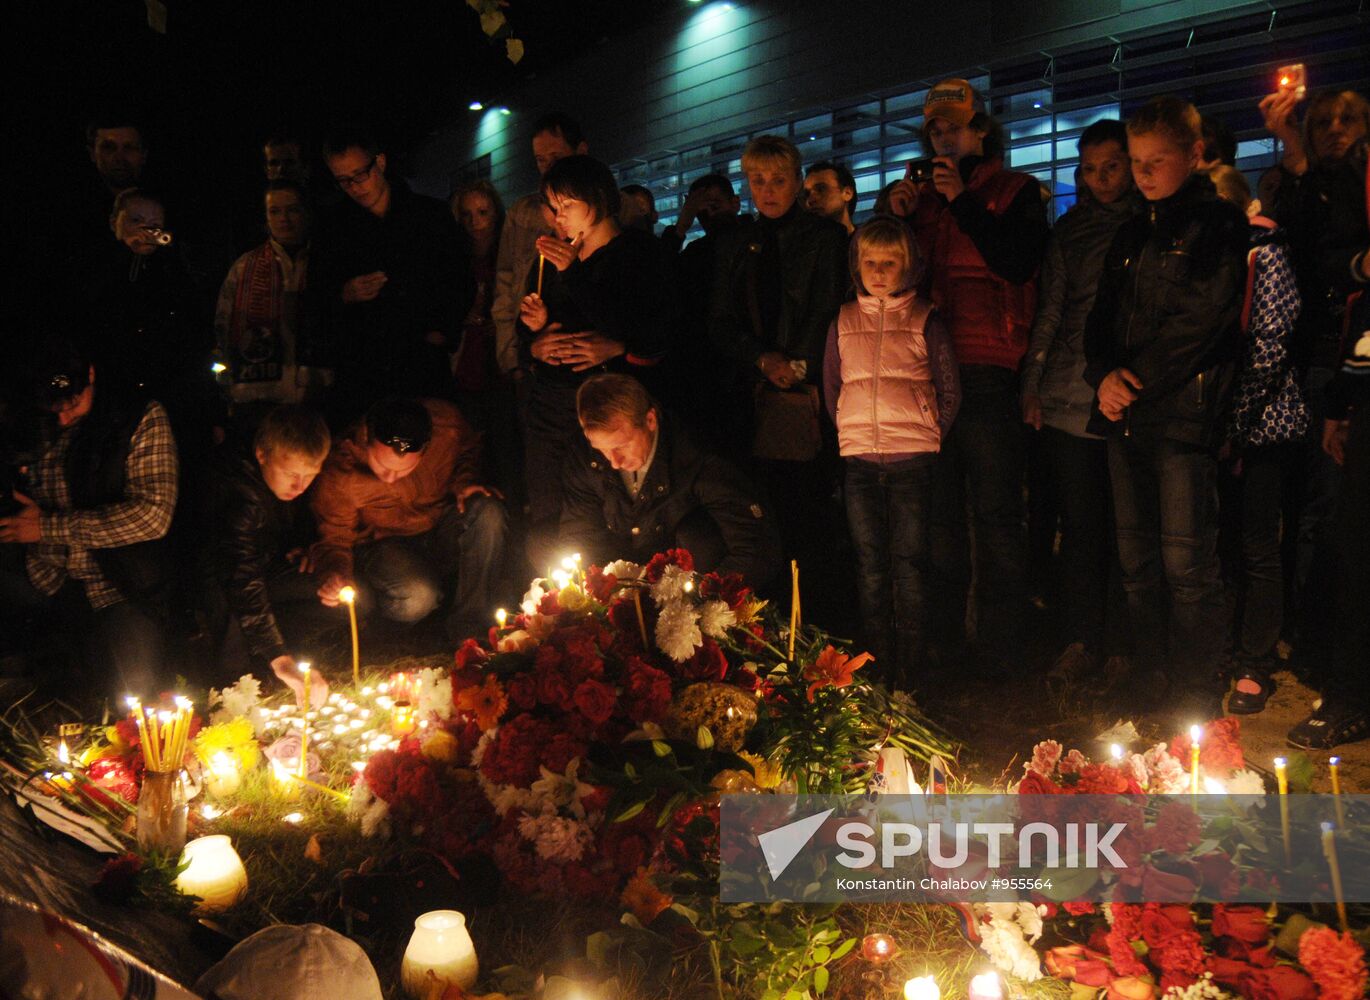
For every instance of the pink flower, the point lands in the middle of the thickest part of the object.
(1044, 758)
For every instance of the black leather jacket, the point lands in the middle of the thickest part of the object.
(1168, 309)
(250, 533)
(600, 519)
(813, 282)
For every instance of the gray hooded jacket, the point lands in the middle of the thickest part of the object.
(1055, 362)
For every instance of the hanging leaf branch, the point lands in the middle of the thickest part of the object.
(496, 26)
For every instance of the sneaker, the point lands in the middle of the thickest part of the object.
(1330, 725)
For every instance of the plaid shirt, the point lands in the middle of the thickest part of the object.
(65, 548)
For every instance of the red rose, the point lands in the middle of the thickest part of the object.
(553, 688)
(1247, 924)
(1079, 909)
(707, 664)
(1034, 784)
(595, 700)
(1172, 886)
(599, 584)
(471, 652)
(728, 588)
(1282, 982)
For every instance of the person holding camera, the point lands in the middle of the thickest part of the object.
(983, 231)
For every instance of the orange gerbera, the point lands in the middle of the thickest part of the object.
(833, 668)
(487, 702)
(644, 899)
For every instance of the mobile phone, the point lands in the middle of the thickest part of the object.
(919, 171)
(1292, 77)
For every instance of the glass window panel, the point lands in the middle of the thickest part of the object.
(1022, 156)
(1032, 126)
(1084, 117)
(867, 182)
(866, 160)
(819, 123)
(1065, 182)
(903, 102)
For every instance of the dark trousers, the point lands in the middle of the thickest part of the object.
(294, 602)
(119, 650)
(550, 429)
(887, 513)
(1077, 471)
(981, 461)
(1316, 505)
(1346, 678)
(405, 579)
(1165, 505)
(1260, 496)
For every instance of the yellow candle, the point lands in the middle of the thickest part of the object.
(402, 719)
(1333, 763)
(136, 708)
(349, 597)
(641, 621)
(1282, 779)
(1194, 733)
(287, 784)
(304, 730)
(794, 604)
(154, 741)
(1329, 850)
(542, 262)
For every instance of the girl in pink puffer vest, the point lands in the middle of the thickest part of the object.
(891, 387)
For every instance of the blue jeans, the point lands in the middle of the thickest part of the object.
(982, 460)
(1166, 508)
(405, 578)
(888, 516)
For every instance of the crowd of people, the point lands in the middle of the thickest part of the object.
(413, 405)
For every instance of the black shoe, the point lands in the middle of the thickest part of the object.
(1249, 672)
(1330, 725)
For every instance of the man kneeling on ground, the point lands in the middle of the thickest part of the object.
(403, 519)
(637, 485)
(256, 567)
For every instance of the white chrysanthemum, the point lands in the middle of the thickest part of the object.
(1245, 782)
(677, 631)
(1007, 949)
(435, 693)
(671, 586)
(623, 569)
(370, 811)
(556, 838)
(715, 618)
(236, 700)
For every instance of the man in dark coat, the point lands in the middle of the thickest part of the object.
(637, 485)
(255, 567)
(394, 280)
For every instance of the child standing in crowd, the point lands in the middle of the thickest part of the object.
(1268, 418)
(891, 386)
(1057, 401)
(1160, 348)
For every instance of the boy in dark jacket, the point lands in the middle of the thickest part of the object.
(1160, 345)
(1057, 401)
(255, 566)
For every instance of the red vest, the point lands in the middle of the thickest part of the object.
(989, 318)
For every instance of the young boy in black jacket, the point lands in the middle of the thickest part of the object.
(1161, 343)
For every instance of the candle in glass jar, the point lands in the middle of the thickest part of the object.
(440, 944)
(222, 777)
(214, 872)
(922, 988)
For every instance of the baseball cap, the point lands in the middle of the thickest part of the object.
(292, 962)
(953, 99)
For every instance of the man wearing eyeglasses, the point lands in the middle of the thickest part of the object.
(404, 519)
(393, 275)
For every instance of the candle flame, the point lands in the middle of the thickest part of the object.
(1333, 761)
(501, 616)
(347, 595)
(1195, 732)
(1327, 827)
(295, 817)
(1279, 763)
(1212, 786)
(1116, 751)
(63, 754)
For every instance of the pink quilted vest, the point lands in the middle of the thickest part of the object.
(887, 405)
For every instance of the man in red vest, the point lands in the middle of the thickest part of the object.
(983, 230)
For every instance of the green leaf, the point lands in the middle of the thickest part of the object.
(1070, 883)
(630, 812)
(629, 770)
(745, 946)
(843, 948)
(1300, 774)
(821, 954)
(820, 980)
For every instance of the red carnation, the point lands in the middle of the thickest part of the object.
(728, 588)
(595, 700)
(1101, 779)
(1220, 746)
(118, 879)
(648, 692)
(599, 584)
(1176, 830)
(522, 691)
(671, 557)
(1336, 961)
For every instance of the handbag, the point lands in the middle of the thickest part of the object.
(785, 421)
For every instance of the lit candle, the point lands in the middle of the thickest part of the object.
(402, 719)
(223, 776)
(1333, 763)
(285, 781)
(1329, 850)
(349, 597)
(1194, 733)
(985, 986)
(542, 263)
(1282, 779)
(877, 948)
(922, 988)
(441, 945)
(501, 616)
(214, 872)
(1115, 750)
(304, 730)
